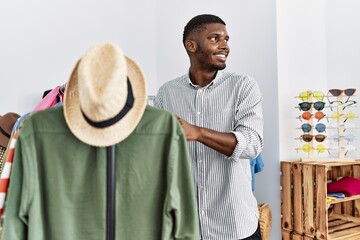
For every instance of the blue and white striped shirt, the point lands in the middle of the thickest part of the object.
(230, 103)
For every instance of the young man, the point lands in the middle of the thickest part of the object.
(221, 115)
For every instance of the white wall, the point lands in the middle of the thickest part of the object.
(301, 44)
(42, 40)
(343, 51)
(343, 43)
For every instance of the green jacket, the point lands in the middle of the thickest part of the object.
(58, 184)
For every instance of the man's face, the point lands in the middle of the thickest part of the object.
(212, 47)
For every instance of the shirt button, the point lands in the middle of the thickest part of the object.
(200, 91)
(198, 113)
(202, 212)
(199, 160)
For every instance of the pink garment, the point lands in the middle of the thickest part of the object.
(49, 100)
(348, 185)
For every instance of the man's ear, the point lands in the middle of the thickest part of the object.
(191, 45)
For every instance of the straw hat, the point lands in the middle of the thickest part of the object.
(105, 96)
(6, 124)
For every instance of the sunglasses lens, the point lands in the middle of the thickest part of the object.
(307, 137)
(336, 115)
(305, 106)
(349, 92)
(306, 127)
(319, 115)
(320, 127)
(350, 115)
(320, 137)
(335, 92)
(320, 148)
(306, 147)
(350, 137)
(306, 115)
(335, 137)
(305, 95)
(319, 105)
(350, 148)
(318, 95)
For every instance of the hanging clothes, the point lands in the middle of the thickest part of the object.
(6, 124)
(2, 157)
(8, 159)
(5, 174)
(51, 98)
(57, 187)
(256, 166)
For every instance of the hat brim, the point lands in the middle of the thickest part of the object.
(103, 137)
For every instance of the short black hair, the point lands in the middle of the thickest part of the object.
(198, 23)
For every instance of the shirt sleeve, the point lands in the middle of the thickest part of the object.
(181, 216)
(158, 101)
(15, 222)
(248, 128)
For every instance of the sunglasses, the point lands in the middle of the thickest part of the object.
(305, 106)
(320, 148)
(308, 115)
(337, 92)
(320, 127)
(348, 148)
(350, 115)
(308, 94)
(349, 137)
(309, 137)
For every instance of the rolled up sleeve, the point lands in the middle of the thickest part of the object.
(248, 127)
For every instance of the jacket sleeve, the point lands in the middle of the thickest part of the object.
(181, 215)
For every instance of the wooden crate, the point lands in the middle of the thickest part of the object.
(287, 235)
(304, 210)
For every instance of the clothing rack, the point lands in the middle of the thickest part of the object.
(110, 193)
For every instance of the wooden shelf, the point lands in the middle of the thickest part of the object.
(343, 227)
(346, 199)
(304, 209)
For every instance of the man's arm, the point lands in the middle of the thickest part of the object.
(224, 143)
(246, 138)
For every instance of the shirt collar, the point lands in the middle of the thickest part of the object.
(218, 76)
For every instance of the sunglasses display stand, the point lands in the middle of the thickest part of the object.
(340, 119)
(309, 107)
(340, 131)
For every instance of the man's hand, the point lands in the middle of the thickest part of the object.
(192, 132)
(224, 143)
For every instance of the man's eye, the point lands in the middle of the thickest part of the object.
(213, 39)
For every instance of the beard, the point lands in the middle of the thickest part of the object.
(219, 66)
(209, 65)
